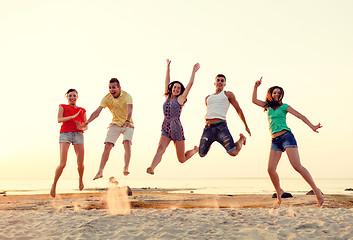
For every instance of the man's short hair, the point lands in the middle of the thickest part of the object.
(221, 75)
(115, 80)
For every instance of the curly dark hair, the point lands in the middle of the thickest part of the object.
(170, 88)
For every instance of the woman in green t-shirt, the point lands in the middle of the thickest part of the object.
(283, 139)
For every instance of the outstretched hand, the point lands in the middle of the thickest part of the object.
(248, 130)
(168, 62)
(196, 67)
(316, 127)
(258, 82)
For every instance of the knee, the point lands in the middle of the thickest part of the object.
(298, 168)
(202, 151)
(181, 159)
(234, 153)
(108, 146)
(127, 143)
(62, 165)
(161, 149)
(271, 170)
(80, 166)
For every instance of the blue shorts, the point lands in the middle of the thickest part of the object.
(216, 132)
(283, 141)
(71, 137)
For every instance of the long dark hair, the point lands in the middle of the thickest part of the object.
(170, 88)
(270, 102)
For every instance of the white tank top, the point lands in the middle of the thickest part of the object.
(217, 106)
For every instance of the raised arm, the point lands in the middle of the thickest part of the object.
(61, 117)
(183, 96)
(167, 76)
(255, 100)
(237, 108)
(304, 119)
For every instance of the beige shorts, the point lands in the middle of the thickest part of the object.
(114, 132)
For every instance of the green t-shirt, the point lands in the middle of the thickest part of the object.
(277, 119)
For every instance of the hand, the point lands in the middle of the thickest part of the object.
(127, 125)
(168, 62)
(316, 127)
(196, 67)
(82, 127)
(258, 82)
(248, 130)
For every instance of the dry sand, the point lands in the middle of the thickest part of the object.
(158, 214)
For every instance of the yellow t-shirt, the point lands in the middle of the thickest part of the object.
(118, 106)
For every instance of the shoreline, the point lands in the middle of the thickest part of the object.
(143, 198)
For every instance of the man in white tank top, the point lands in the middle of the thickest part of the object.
(216, 128)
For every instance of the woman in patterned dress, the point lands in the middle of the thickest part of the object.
(172, 130)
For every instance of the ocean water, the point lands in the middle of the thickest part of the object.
(195, 185)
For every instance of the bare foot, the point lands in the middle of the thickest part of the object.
(53, 191)
(196, 148)
(150, 171)
(81, 186)
(279, 197)
(99, 175)
(243, 137)
(279, 201)
(319, 197)
(126, 172)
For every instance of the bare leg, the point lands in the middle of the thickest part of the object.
(239, 144)
(271, 169)
(293, 155)
(64, 148)
(105, 156)
(80, 153)
(127, 156)
(162, 146)
(180, 151)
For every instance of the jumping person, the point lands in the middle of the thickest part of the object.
(71, 116)
(216, 128)
(283, 139)
(172, 130)
(120, 104)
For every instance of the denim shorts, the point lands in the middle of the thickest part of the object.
(216, 132)
(283, 141)
(71, 137)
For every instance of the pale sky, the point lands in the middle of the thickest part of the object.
(47, 47)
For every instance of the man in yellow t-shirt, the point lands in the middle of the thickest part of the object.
(119, 103)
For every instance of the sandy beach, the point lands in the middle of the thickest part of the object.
(162, 214)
